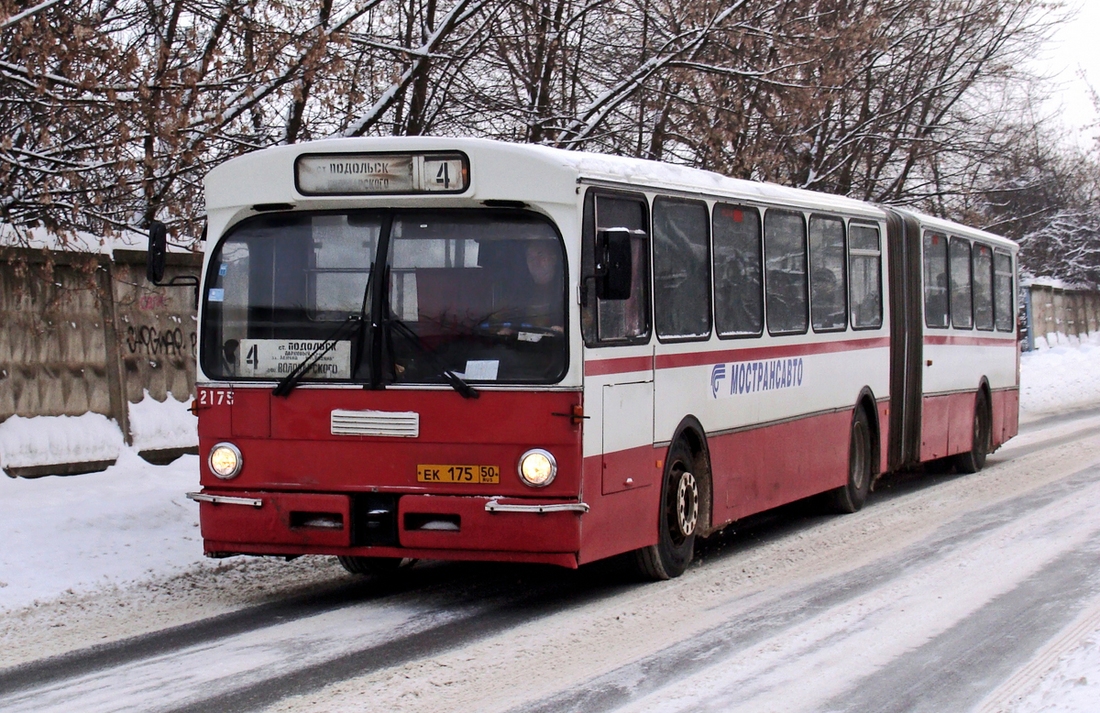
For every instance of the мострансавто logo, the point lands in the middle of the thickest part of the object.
(747, 377)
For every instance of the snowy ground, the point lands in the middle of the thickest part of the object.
(1059, 378)
(131, 526)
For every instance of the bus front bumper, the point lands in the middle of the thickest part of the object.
(415, 526)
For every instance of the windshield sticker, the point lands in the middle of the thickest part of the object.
(481, 370)
(529, 336)
(223, 268)
(275, 358)
(217, 294)
(749, 377)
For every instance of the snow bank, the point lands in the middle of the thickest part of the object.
(52, 440)
(49, 440)
(157, 425)
(74, 241)
(81, 533)
(1073, 686)
(1060, 376)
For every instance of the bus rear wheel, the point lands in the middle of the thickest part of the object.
(677, 521)
(850, 497)
(372, 566)
(974, 460)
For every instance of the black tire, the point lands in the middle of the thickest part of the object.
(851, 496)
(371, 566)
(678, 519)
(974, 460)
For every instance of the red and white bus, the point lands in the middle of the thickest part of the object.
(435, 348)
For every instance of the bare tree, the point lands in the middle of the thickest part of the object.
(113, 110)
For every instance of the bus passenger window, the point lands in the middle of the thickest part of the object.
(935, 280)
(962, 316)
(616, 321)
(785, 282)
(828, 286)
(1003, 302)
(738, 280)
(983, 287)
(865, 267)
(681, 269)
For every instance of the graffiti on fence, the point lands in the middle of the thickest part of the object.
(152, 342)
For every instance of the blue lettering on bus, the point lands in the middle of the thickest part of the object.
(748, 377)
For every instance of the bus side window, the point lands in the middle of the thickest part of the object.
(738, 273)
(983, 287)
(962, 315)
(607, 320)
(935, 280)
(681, 269)
(1003, 304)
(828, 282)
(865, 268)
(785, 281)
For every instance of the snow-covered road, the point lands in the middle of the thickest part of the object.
(946, 593)
(941, 595)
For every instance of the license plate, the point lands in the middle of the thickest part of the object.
(458, 473)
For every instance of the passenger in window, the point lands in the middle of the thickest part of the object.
(828, 299)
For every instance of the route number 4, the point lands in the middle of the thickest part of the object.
(443, 176)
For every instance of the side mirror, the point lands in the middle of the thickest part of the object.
(158, 251)
(614, 264)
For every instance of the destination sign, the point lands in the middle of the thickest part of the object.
(346, 173)
(275, 358)
(365, 174)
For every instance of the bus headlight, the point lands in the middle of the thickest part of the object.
(225, 461)
(537, 468)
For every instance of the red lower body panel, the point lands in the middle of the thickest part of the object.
(947, 422)
(752, 471)
(1006, 415)
(767, 467)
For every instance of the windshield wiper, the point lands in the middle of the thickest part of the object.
(456, 382)
(291, 380)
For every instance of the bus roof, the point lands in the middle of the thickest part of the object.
(529, 173)
(952, 228)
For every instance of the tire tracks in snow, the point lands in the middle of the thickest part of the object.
(456, 612)
(739, 654)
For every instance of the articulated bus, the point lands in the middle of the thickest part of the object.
(435, 348)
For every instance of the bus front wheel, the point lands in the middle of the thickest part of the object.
(373, 566)
(677, 521)
(850, 497)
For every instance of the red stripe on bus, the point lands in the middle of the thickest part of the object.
(617, 366)
(1005, 341)
(674, 361)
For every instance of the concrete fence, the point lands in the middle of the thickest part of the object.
(87, 333)
(1054, 314)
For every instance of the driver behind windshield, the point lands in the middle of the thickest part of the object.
(533, 299)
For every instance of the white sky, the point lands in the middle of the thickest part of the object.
(1074, 48)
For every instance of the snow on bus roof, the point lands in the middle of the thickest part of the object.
(636, 172)
(948, 226)
(643, 172)
(225, 187)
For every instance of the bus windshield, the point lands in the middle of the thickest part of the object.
(480, 294)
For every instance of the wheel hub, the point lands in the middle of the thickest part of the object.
(687, 504)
